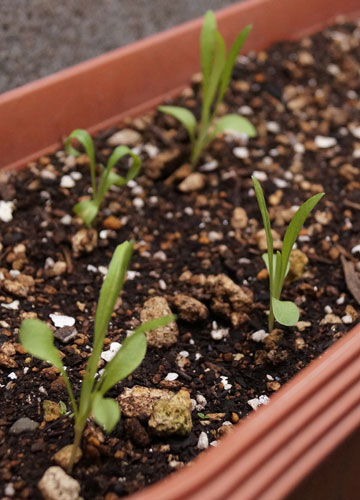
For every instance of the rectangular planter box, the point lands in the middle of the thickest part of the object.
(305, 444)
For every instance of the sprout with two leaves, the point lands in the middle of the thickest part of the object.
(285, 312)
(216, 67)
(38, 339)
(88, 209)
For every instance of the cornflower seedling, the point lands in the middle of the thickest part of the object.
(88, 209)
(38, 339)
(285, 312)
(216, 69)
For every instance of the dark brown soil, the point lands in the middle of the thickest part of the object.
(294, 94)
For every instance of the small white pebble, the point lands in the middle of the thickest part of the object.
(131, 275)
(162, 285)
(241, 152)
(340, 300)
(328, 309)
(280, 183)
(184, 354)
(104, 233)
(245, 110)
(323, 142)
(269, 377)
(200, 402)
(151, 150)
(259, 336)
(76, 175)
(138, 203)
(12, 376)
(210, 166)
(9, 490)
(160, 255)
(137, 190)
(225, 382)
(66, 220)
(171, 376)
(256, 402)
(214, 443)
(153, 200)
(111, 352)
(299, 148)
(6, 210)
(61, 320)
(355, 249)
(273, 127)
(219, 333)
(197, 356)
(67, 182)
(14, 273)
(215, 236)
(260, 176)
(103, 270)
(203, 441)
(188, 211)
(13, 306)
(92, 268)
(347, 319)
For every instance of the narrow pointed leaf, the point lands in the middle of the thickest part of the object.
(106, 412)
(184, 116)
(38, 339)
(266, 220)
(207, 46)
(131, 354)
(110, 291)
(230, 60)
(109, 178)
(215, 75)
(294, 228)
(236, 123)
(87, 210)
(285, 312)
(265, 258)
(86, 141)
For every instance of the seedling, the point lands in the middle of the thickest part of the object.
(285, 312)
(38, 339)
(216, 67)
(88, 209)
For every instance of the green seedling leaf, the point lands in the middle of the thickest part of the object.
(63, 408)
(207, 46)
(110, 291)
(236, 123)
(266, 220)
(265, 258)
(87, 210)
(184, 116)
(215, 75)
(109, 178)
(295, 226)
(285, 312)
(231, 59)
(106, 412)
(202, 416)
(131, 354)
(86, 141)
(38, 339)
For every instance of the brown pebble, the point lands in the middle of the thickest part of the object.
(112, 222)
(137, 432)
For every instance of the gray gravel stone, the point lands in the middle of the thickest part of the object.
(23, 424)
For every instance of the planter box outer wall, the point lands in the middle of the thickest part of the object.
(305, 444)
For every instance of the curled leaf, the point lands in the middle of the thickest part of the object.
(106, 412)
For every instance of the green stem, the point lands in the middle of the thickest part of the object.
(70, 392)
(76, 444)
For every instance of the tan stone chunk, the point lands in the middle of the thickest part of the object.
(84, 240)
(62, 457)
(165, 336)
(190, 309)
(56, 484)
(138, 401)
(172, 416)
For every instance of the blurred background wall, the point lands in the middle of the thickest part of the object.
(39, 37)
